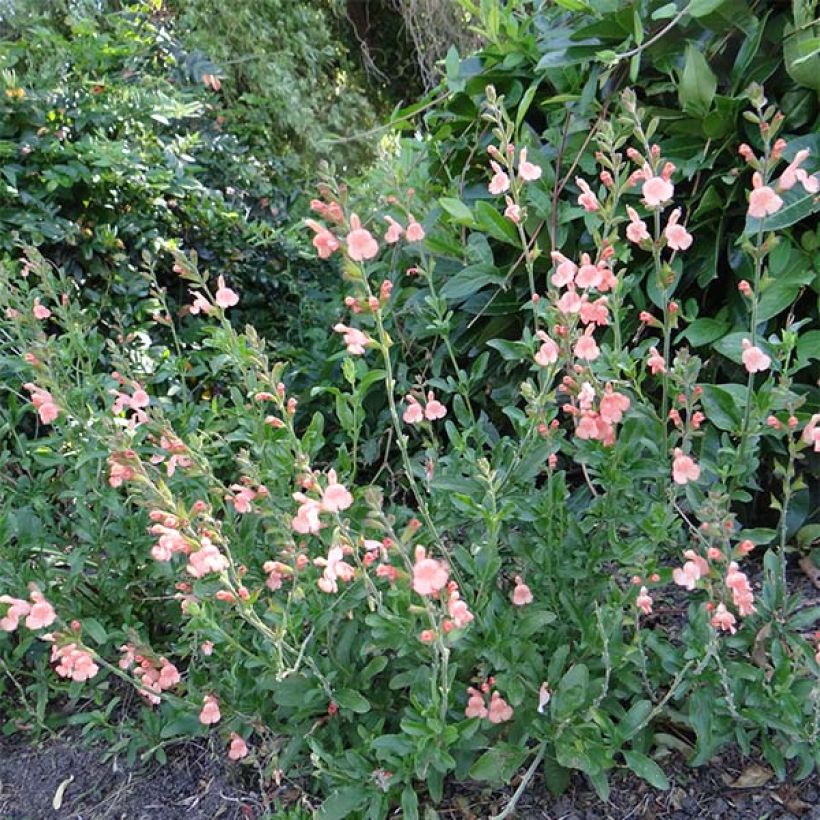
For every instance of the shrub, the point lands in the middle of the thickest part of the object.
(491, 595)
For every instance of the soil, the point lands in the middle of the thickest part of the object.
(197, 783)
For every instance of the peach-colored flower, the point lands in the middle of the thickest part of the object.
(636, 229)
(763, 201)
(644, 601)
(677, 237)
(394, 231)
(794, 173)
(336, 497)
(688, 575)
(527, 171)
(42, 613)
(238, 748)
(811, 433)
(475, 704)
(548, 351)
(723, 619)
(307, 516)
(355, 340)
(565, 272)
(17, 608)
(586, 347)
(414, 232)
(429, 575)
(324, 241)
(587, 199)
(754, 359)
(596, 312)
(655, 362)
(499, 711)
(40, 311)
(434, 409)
(457, 608)
(569, 302)
(500, 181)
(589, 275)
(210, 713)
(206, 560)
(413, 413)
(656, 191)
(613, 405)
(427, 636)
(684, 468)
(522, 595)
(335, 568)
(360, 242)
(512, 211)
(73, 662)
(224, 296)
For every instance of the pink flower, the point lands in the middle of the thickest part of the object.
(434, 409)
(168, 675)
(570, 302)
(655, 361)
(500, 181)
(586, 347)
(394, 231)
(210, 713)
(754, 359)
(589, 275)
(429, 575)
(242, 498)
(335, 497)
(512, 211)
(414, 232)
(644, 601)
(40, 311)
(73, 662)
(324, 241)
(224, 296)
(522, 595)
(17, 608)
(360, 243)
(355, 340)
(636, 229)
(413, 413)
(427, 636)
(794, 173)
(656, 191)
(565, 272)
(613, 405)
(307, 516)
(206, 560)
(763, 201)
(238, 748)
(688, 575)
(587, 200)
(43, 402)
(207, 648)
(548, 352)
(335, 569)
(500, 711)
(811, 432)
(528, 171)
(475, 704)
(42, 613)
(723, 619)
(457, 608)
(684, 468)
(677, 237)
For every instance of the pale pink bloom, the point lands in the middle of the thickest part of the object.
(677, 237)
(794, 173)
(596, 312)
(242, 498)
(238, 748)
(655, 361)
(811, 432)
(224, 296)
(207, 648)
(335, 568)
(307, 516)
(427, 636)
(414, 231)
(413, 413)
(43, 402)
(565, 272)
(763, 201)
(499, 711)
(512, 211)
(17, 608)
(500, 181)
(741, 589)
(42, 613)
(206, 560)
(586, 347)
(528, 171)
(589, 275)
(745, 547)
(323, 240)
(656, 190)
(200, 304)
(522, 595)
(355, 340)
(40, 311)
(168, 675)
(608, 278)
(394, 231)
(613, 405)
(636, 229)
(73, 662)
(360, 242)
(210, 711)
(688, 575)
(723, 619)
(434, 409)
(429, 575)
(684, 468)
(548, 352)
(644, 601)
(700, 562)
(336, 497)
(475, 704)
(544, 697)
(754, 359)
(457, 609)
(570, 302)
(587, 200)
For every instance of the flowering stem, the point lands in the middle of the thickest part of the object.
(522, 786)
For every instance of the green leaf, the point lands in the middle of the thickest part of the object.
(556, 776)
(647, 769)
(409, 803)
(704, 331)
(524, 105)
(457, 209)
(342, 803)
(700, 8)
(470, 280)
(350, 699)
(499, 763)
(697, 85)
(808, 346)
(634, 719)
(721, 407)
(491, 221)
(531, 621)
(95, 629)
(665, 12)
(571, 693)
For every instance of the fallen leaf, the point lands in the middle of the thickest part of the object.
(57, 802)
(812, 571)
(752, 777)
